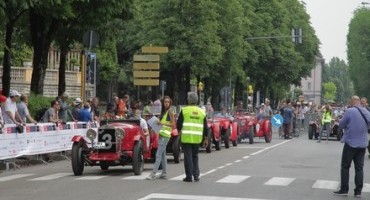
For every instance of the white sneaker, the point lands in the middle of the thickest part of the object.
(162, 176)
(151, 176)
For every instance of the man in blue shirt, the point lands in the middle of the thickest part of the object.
(355, 139)
(288, 116)
(84, 115)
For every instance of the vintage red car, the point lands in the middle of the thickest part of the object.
(213, 127)
(116, 142)
(249, 127)
(228, 129)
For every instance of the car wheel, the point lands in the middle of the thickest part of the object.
(227, 138)
(77, 159)
(251, 135)
(209, 137)
(268, 136)
(339, 134)
(235, 142)
(104, 166)
(176, 149)
(217, 144)
(138, 158)
(310, 132)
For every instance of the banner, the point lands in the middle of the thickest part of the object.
(40, 138)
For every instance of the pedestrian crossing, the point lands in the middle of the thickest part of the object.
(228, 179)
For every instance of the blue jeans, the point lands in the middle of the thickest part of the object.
(357, 155)
(160, 156)
(325, 126)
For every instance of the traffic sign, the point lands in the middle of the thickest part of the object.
(146, 66)
(277, 120)
(146, 82)
(146, 74)
(151, 49)
(146, 58)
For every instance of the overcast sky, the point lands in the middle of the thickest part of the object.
(330, 19)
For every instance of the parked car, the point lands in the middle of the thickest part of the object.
(116, 142)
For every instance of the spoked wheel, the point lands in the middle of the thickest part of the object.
(251, 135)
(227, 138)
(209, 137)
(138, 158)
(268, 136)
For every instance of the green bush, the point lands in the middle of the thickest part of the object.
(38, 102)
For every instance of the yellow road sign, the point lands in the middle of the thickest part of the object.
(146, 74)
(146, 66)
(146, 58)
(146, 82)
(151, 49)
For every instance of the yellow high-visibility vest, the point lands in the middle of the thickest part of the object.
(166, 127)
(192, 128)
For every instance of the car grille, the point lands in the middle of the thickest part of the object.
(109, 138)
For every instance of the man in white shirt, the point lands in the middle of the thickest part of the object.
(10, 109)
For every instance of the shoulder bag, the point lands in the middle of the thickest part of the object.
(363, 116)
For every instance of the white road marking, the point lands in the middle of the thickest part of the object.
(220, 167)
(279, 181)
(190, 197)
(87, 178)
(179, 178)
(140, 177)
(51, 177)
(12, 177)
(246, 157)
(209, 172)
(243, 147)
(228, 164)
(236, 161)
(366, 187)
(273, 146)
(324, 184)
(232, 179)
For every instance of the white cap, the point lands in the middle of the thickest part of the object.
(262, 104)
(14, 93)
(77, 101)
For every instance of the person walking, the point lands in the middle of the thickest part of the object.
(355, 138)
(288, 117)
(168, 122)
(192, 125)
(325, 122)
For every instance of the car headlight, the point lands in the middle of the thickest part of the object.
(91, 134)
(120, 133)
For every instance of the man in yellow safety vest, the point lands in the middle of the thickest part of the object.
(192, 126)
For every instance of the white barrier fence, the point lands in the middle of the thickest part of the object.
(38, 139)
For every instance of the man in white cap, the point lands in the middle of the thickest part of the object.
(10, 109)
(76, 107)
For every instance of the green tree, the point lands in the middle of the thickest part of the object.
(358, 41)
(337, 71)
(12, 10)
(330, 91)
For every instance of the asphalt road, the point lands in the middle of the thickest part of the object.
(283, 169)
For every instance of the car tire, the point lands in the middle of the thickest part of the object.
(77, 159)
(104, 166)
(268, 136)
(138, 158)
(209, 138)
(227, 138)
(217, 144)
(176, 149)
(310, 132)
(251, 135)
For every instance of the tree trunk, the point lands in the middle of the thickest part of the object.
(187, 82)
(7, 58)
(62, 67)
(42, 32)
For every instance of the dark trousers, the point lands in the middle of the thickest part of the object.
(368, 148)
(191, 162)
(357, 155)
(286, 129)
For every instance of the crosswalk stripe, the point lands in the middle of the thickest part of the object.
(51, 177)
(232, 179)
(366, 187)
(12, 177)
(279, 181)
(190, 197)
(139, 177)
(325, 184)
(90, 178)
(179, 178)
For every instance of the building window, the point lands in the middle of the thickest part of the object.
(309, 85)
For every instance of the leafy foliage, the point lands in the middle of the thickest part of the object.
(330, 91)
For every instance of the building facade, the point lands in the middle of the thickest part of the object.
(311, 86)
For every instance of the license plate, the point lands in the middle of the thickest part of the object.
(100, 145)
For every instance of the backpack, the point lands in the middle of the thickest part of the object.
(40, 113)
